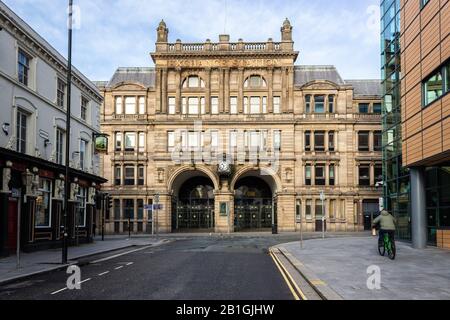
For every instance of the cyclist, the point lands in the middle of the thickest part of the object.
(387, 225)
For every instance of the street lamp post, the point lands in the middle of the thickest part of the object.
(68, 116)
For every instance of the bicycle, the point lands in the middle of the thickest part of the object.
(388, 245)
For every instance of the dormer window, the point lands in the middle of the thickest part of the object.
(255, 81)
(193, 82)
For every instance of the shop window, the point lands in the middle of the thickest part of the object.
(43, 210)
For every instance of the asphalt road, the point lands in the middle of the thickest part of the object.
(185, 269)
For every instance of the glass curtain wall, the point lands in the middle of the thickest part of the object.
(396, 178)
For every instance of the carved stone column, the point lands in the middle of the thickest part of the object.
(178, 92)
(241, 91)
(270, 97)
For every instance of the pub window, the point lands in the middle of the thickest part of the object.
(60, 93)
(129, 176)
(363, 141)
(142, 105)
(363, 108)
(233, 105)
(23, 67)
(119, 105)
(377, 141)
(21, 131)
(308, 209)
(130, 105)
(364, 175)
(172, 105)
(130, 141)
(81, 206)
(141, 175)
(320, 175)
(308, 175)
(276, 105)
(119, 141)
(308, 141)
(214, 105)
(84, 108)
(331, 104)
(308, 104)
(319, 141)
(332, 174)
(319, 104)
(83, 153)
(331, 146)
(60, 137)
(117, 175)
(43, 210)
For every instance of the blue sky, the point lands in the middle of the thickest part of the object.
(122, 33)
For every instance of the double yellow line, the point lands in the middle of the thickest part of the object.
(290, 281)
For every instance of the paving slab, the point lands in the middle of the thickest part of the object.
(342, 264)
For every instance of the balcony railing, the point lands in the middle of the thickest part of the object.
(227, 46)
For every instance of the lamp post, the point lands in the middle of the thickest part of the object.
(68, 116)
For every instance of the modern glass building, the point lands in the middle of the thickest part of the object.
(396, 177)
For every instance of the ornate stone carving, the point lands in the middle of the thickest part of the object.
(27, 178)
(6, 177)
(35, 182)
(11, 143)
(74, 189)
(59, 187)
(91, 195)
(161, 175)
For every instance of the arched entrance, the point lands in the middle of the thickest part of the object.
(255, 208)
(193, 205)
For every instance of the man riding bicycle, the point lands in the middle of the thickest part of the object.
(387, 225)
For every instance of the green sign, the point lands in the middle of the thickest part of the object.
(101, 144)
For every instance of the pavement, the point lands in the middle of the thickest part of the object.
(339, 268)
(195, 268)
(50, 260)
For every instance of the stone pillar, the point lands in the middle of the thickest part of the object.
(418, 208)
(284, 100)
(164, 216)
(241, 91)
(208, 91)
(178, 92)
(164, 92)
(224, 223)
(226, 100)
(286, 212)
(221, 90)
(270, 97)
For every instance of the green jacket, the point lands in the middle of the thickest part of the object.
(386, 221)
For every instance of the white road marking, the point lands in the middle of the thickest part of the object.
(56, 292)
(129, 263)
(102, 274)
(121, 254)
(118, 268)
(84, 281)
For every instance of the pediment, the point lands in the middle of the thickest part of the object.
(128, 86)
(321, 85)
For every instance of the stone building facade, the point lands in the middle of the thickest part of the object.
(233, 136)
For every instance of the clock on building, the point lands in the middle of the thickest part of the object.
(224, 168)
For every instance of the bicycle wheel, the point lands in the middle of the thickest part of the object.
(392, 252)
(381, 249)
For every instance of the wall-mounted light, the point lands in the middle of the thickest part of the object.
(5, 128)
(46, 143)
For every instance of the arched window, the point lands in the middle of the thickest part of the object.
(193, 82)
(255, 81)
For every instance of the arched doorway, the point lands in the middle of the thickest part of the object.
(193, 205)
(254, 205)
